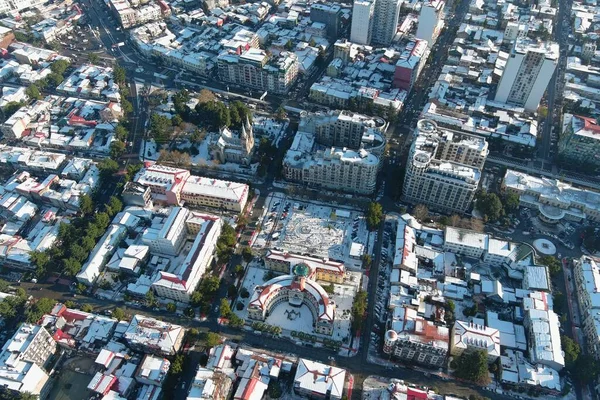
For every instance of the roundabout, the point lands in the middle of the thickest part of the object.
(544, 247)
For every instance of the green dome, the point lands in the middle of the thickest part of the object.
(301, 270)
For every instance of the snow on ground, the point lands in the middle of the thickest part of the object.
(292, 318)
(312, 228)
(151, 153)
(254, 277)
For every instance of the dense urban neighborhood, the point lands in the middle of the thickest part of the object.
(287, 199)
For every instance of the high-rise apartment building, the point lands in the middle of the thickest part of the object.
(254, 68)
(362, 21)
(580, 140)
(527, 73)
(385, 21)
(340, 128)
(330, 15)
(443, 168)
(430, 20)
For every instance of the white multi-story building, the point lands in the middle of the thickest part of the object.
(23, 359)
(362, 21)
(385, 21)
(430, 20)
(470, 336)
(256, 69)
(167, 236)
(320, 381)
(333, 167)
(527, 73)
(554, 200)
(152, 336)
(7, 6)
(179, 282)
(587, 283)
(542, 326)
(443, 168)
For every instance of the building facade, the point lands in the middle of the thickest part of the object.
(254, 68)
(409, 65)
(318, 269)
(527, 73)
(295, 290)
(234, 146)
(330, 15)
(385, 22)
(443, 168)
(580, 140)
(417, 341)
(586, 274)
(362, 21)
(470, 336)
(430, 21)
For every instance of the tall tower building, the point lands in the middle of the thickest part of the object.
(430, 20)
(362, 21)
(527, 73)
(386, 21)
(443, 168)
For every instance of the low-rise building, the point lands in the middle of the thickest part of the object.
(23, 361)
(153, 370)
(414, 339)
(554, 200)
(470, 336)
(318, 269)
(319, 381)
(152, 336)
(135, 194)
(167, 234)
(542, 326)
(102, 252)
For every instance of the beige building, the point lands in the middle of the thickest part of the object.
(234, 146)
(318, 269)
(256, 69)
(443, 168)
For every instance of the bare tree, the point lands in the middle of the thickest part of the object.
(455, 220)
(421, 212)
(477, 224)
(206, 96)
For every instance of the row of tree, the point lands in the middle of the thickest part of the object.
(494, 207)
(359, 309)
(75, 240)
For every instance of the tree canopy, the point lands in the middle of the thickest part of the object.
(472, 366)
(490, 205)
(374, 215)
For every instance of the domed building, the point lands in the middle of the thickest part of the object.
(296, 289)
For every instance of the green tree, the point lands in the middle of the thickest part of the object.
(212, 339)
(11, 107)
(101, 220)
(38, 309)
(366, 261)
(374, 216)
(108, 168)
(60, 66)
(87, 308)
(93, 58)
(54, 80)
(511, 202)
(177, 365)
(171, 307)
(553, 264)
(225, 309)
(114, 205)
(177, 120)
(571, 349)
(489, 205)
(231, 291)
(586, 369)
(86, 204)
(247, 254)
(359, 308)
(33, 92)
(119, 314)
(117, 148)
(244, 293)
(281, 115)
(4, 286)
(119, 75)
(151, 300)
(473, 366)
(71, 266)
(238, 271)
(160, 128)
(121, 132)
